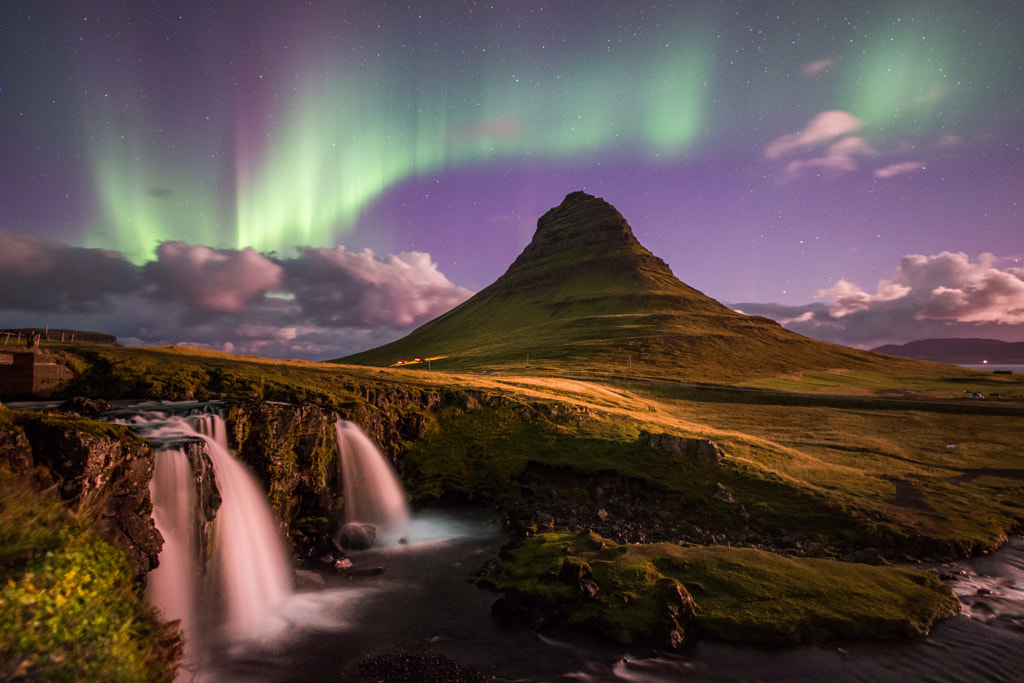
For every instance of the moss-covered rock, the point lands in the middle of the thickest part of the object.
(101, 471)
(642, 593)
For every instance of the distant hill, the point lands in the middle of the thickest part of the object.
(585, 297)
(958, 350)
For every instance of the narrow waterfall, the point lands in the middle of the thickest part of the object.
(249, 572)
(173, 585)
(372, 492)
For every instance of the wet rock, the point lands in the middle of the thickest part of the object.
(306, 579)
(357, 536)
(544, 521)
(86, 407)
(367, 571)
(577, 573)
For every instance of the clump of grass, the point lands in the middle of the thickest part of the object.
(742, 595)
(68, 608)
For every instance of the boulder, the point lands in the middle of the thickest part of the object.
(357, 536)
(702, 451)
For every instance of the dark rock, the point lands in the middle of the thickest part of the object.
(357, 536)
(101, 472)
(412, 427)
(293, 452)
(306, 579)
(208, 498)
(723, 494)
(86, 407)
(544, 521)
(680, 613)
(368, 571)
(702, 451)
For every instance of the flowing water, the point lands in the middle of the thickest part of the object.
(173, 585)
(371, 489)
(249, 572)
(424, 600)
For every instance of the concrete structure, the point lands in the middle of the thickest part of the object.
(30, 373)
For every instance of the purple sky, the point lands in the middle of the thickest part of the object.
(312, 181)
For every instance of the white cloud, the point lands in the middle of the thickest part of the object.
(336, 286)
(946, 286)
(899, 169)
(839, 156)
(212, 280)
(944, 295)
(825, 127)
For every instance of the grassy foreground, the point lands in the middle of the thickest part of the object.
(68, 608)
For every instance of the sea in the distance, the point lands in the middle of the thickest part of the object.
(1015, 368)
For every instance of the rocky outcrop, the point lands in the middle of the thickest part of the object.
(208, 498)
(702, 451)
(292, 450)
(102, 472)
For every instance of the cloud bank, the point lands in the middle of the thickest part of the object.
(319, 304)
(945, 295)
(325, 303)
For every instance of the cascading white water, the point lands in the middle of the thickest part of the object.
(248, 557)
(173, 585)
(249, 573)
(372, 492)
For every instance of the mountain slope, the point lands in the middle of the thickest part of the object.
(586, 297)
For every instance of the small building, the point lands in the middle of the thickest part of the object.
(30, 373)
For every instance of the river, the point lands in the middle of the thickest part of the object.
(425, 602)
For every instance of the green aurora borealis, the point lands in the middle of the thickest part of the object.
(333, 109)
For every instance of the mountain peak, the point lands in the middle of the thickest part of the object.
(585, 234)
(580, 220)
(586, 297)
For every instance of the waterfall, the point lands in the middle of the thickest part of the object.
(248, 558)
(249, 572)
(173, 585)
(372, 492)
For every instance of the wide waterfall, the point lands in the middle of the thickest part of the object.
(372, 492)
(249, 573)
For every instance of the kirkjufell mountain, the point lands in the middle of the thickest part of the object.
(585, 297)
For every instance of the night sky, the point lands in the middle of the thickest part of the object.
(309, 180)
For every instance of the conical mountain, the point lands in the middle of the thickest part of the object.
(585, 297)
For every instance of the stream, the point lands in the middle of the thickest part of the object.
(425, 602)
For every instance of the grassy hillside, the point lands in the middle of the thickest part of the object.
(585, 297)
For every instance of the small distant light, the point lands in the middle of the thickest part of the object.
(985, 362)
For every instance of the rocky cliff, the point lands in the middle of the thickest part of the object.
(101, 472)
